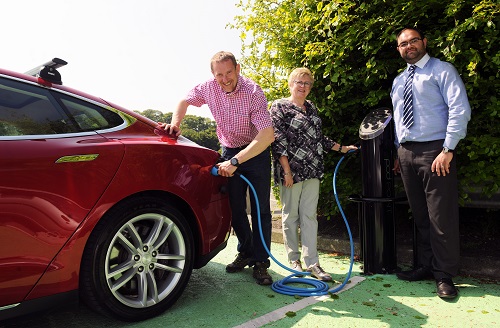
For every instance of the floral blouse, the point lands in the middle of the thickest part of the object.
(298, 136)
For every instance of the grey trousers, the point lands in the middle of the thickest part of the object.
(433, 201)
(299, 209)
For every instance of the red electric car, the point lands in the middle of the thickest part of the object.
(97, 204)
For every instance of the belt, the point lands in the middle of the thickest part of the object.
(417, 142)
(237, 148)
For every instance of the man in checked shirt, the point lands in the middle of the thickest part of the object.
(245, 131)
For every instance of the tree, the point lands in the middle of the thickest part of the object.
(201, 130)
(156, 115)
(350, 47)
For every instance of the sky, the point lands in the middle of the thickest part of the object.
(142, 54)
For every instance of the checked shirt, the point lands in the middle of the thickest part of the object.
(240, 115)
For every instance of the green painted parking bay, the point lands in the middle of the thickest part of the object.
(214, 298)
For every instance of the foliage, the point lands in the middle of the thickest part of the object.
(156, 115)
(350, 47)
(201, 130)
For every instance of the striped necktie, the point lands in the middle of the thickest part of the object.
(408, 98)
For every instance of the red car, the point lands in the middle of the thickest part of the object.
(97, 204)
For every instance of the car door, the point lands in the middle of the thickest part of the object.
(52, 172)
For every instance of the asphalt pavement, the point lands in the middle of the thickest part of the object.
(214, 298)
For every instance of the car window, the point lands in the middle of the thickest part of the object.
(90, 117)
(29, 110)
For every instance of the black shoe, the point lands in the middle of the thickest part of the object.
(446, 288)
(239, 263)
(260, 273)
(422, 273)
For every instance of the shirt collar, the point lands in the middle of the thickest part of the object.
(238, 87)
(421, 63)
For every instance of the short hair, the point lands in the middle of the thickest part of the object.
(416, 29)
(220, 57)
(299, 72)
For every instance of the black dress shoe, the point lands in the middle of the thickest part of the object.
(446, 288)
(422, 273)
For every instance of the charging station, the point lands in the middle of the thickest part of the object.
(376, 205)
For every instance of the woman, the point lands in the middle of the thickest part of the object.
(298, 167)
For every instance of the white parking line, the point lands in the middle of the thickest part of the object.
(294, 307)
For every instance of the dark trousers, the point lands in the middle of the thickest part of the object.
(433, 201)
(258, 171)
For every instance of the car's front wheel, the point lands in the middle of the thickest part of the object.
(137, 260)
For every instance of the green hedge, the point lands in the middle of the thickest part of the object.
(350, 47)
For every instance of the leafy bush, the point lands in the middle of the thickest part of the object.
(351, 48)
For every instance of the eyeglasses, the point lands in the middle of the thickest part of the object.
(303, 84)
(406, 44)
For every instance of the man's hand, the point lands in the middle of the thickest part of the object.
(441, 164)
(170, 128)
(397, 168)
(226, 169)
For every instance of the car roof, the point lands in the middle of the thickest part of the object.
(38, 75)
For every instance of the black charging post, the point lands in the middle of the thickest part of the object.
(376, 205)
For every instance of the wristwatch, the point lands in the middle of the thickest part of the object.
(447, 150)
(234, 161)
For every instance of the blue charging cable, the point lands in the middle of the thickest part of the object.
(318, 287)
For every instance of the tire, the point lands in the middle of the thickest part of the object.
(137, 260)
